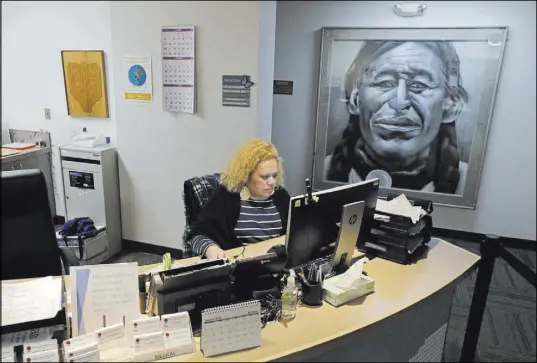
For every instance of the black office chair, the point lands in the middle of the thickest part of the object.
(196, 192)
(29, 245)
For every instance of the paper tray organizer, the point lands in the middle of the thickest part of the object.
(60, 319)
(399, 239)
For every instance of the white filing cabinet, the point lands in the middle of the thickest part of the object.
(91, 188)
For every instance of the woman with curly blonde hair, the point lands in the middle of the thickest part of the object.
(250, 206)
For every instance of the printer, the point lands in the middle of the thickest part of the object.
(212, 283)
(192, 288)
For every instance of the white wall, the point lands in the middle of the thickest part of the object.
(33, 36)
(158, 150)
(506, 200)
(267, 44)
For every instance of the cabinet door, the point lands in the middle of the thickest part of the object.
(8, 166)
(84, 200)
(28, 163)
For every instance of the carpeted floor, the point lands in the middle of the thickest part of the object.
(132, 256)
(508, 330)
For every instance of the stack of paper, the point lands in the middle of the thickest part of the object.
(400, 206)
(11, 340)
(8, 354)
(35, 300)
(83, 348)
(8, 152)
(19, 145)
(42, 351)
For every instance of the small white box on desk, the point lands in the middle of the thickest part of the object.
(336, 296)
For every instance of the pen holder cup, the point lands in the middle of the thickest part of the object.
(312, 294)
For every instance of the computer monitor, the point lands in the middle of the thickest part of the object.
(349, 231)
(29, 245)
(312, 227)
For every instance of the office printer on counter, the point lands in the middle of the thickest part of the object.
(396, 237)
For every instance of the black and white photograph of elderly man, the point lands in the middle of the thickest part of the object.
(404, 111)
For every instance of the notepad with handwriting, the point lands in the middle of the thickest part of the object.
(230, 328)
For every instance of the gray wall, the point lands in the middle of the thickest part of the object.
(506, 199)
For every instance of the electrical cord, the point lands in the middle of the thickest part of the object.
(242, 253)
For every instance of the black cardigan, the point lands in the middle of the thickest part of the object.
(218, 217)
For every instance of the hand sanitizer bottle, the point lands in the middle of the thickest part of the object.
(289, 298)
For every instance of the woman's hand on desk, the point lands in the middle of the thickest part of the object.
(215, 252)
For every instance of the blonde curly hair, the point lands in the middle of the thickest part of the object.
(245, 161)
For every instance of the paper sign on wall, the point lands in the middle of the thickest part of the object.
(282, 87)
(104, 295)
(137, 79)
(236, 90)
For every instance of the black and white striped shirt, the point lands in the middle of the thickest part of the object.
(258, 221)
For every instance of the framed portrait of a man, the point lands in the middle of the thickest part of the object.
(410, 106)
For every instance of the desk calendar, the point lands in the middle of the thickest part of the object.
(230, 328)
(179, 68)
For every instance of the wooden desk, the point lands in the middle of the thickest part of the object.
(397, 287)
(385, 325)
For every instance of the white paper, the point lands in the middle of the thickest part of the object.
(41, 346)
(178, 68)
(148, 342)
(400, 206)
(382, 217)
(46, 356)
(138, 83)
(28, 336)
(34, 300)
(93, 356)
(80, 344)
(178, 338)
(146, 325)
(352, 276)
(104, 295)
(175, 321)
(18, 145)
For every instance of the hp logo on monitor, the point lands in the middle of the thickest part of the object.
(353, 219)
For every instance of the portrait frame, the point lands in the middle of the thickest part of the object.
(84, 77)
(492, 39)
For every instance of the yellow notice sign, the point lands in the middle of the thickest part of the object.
(138, 96)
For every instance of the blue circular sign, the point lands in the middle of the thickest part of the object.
(137, 75)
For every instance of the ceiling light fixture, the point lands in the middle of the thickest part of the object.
(409, 9)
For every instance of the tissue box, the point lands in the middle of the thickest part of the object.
(337, 297)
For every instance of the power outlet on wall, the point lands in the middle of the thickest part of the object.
(47, 114)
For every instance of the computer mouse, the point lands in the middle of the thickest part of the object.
(279, 250)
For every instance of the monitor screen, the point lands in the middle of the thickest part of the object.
(313, 226)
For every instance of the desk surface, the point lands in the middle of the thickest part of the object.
(396, 288)
(17, 155)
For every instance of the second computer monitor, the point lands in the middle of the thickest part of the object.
(315, 225)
